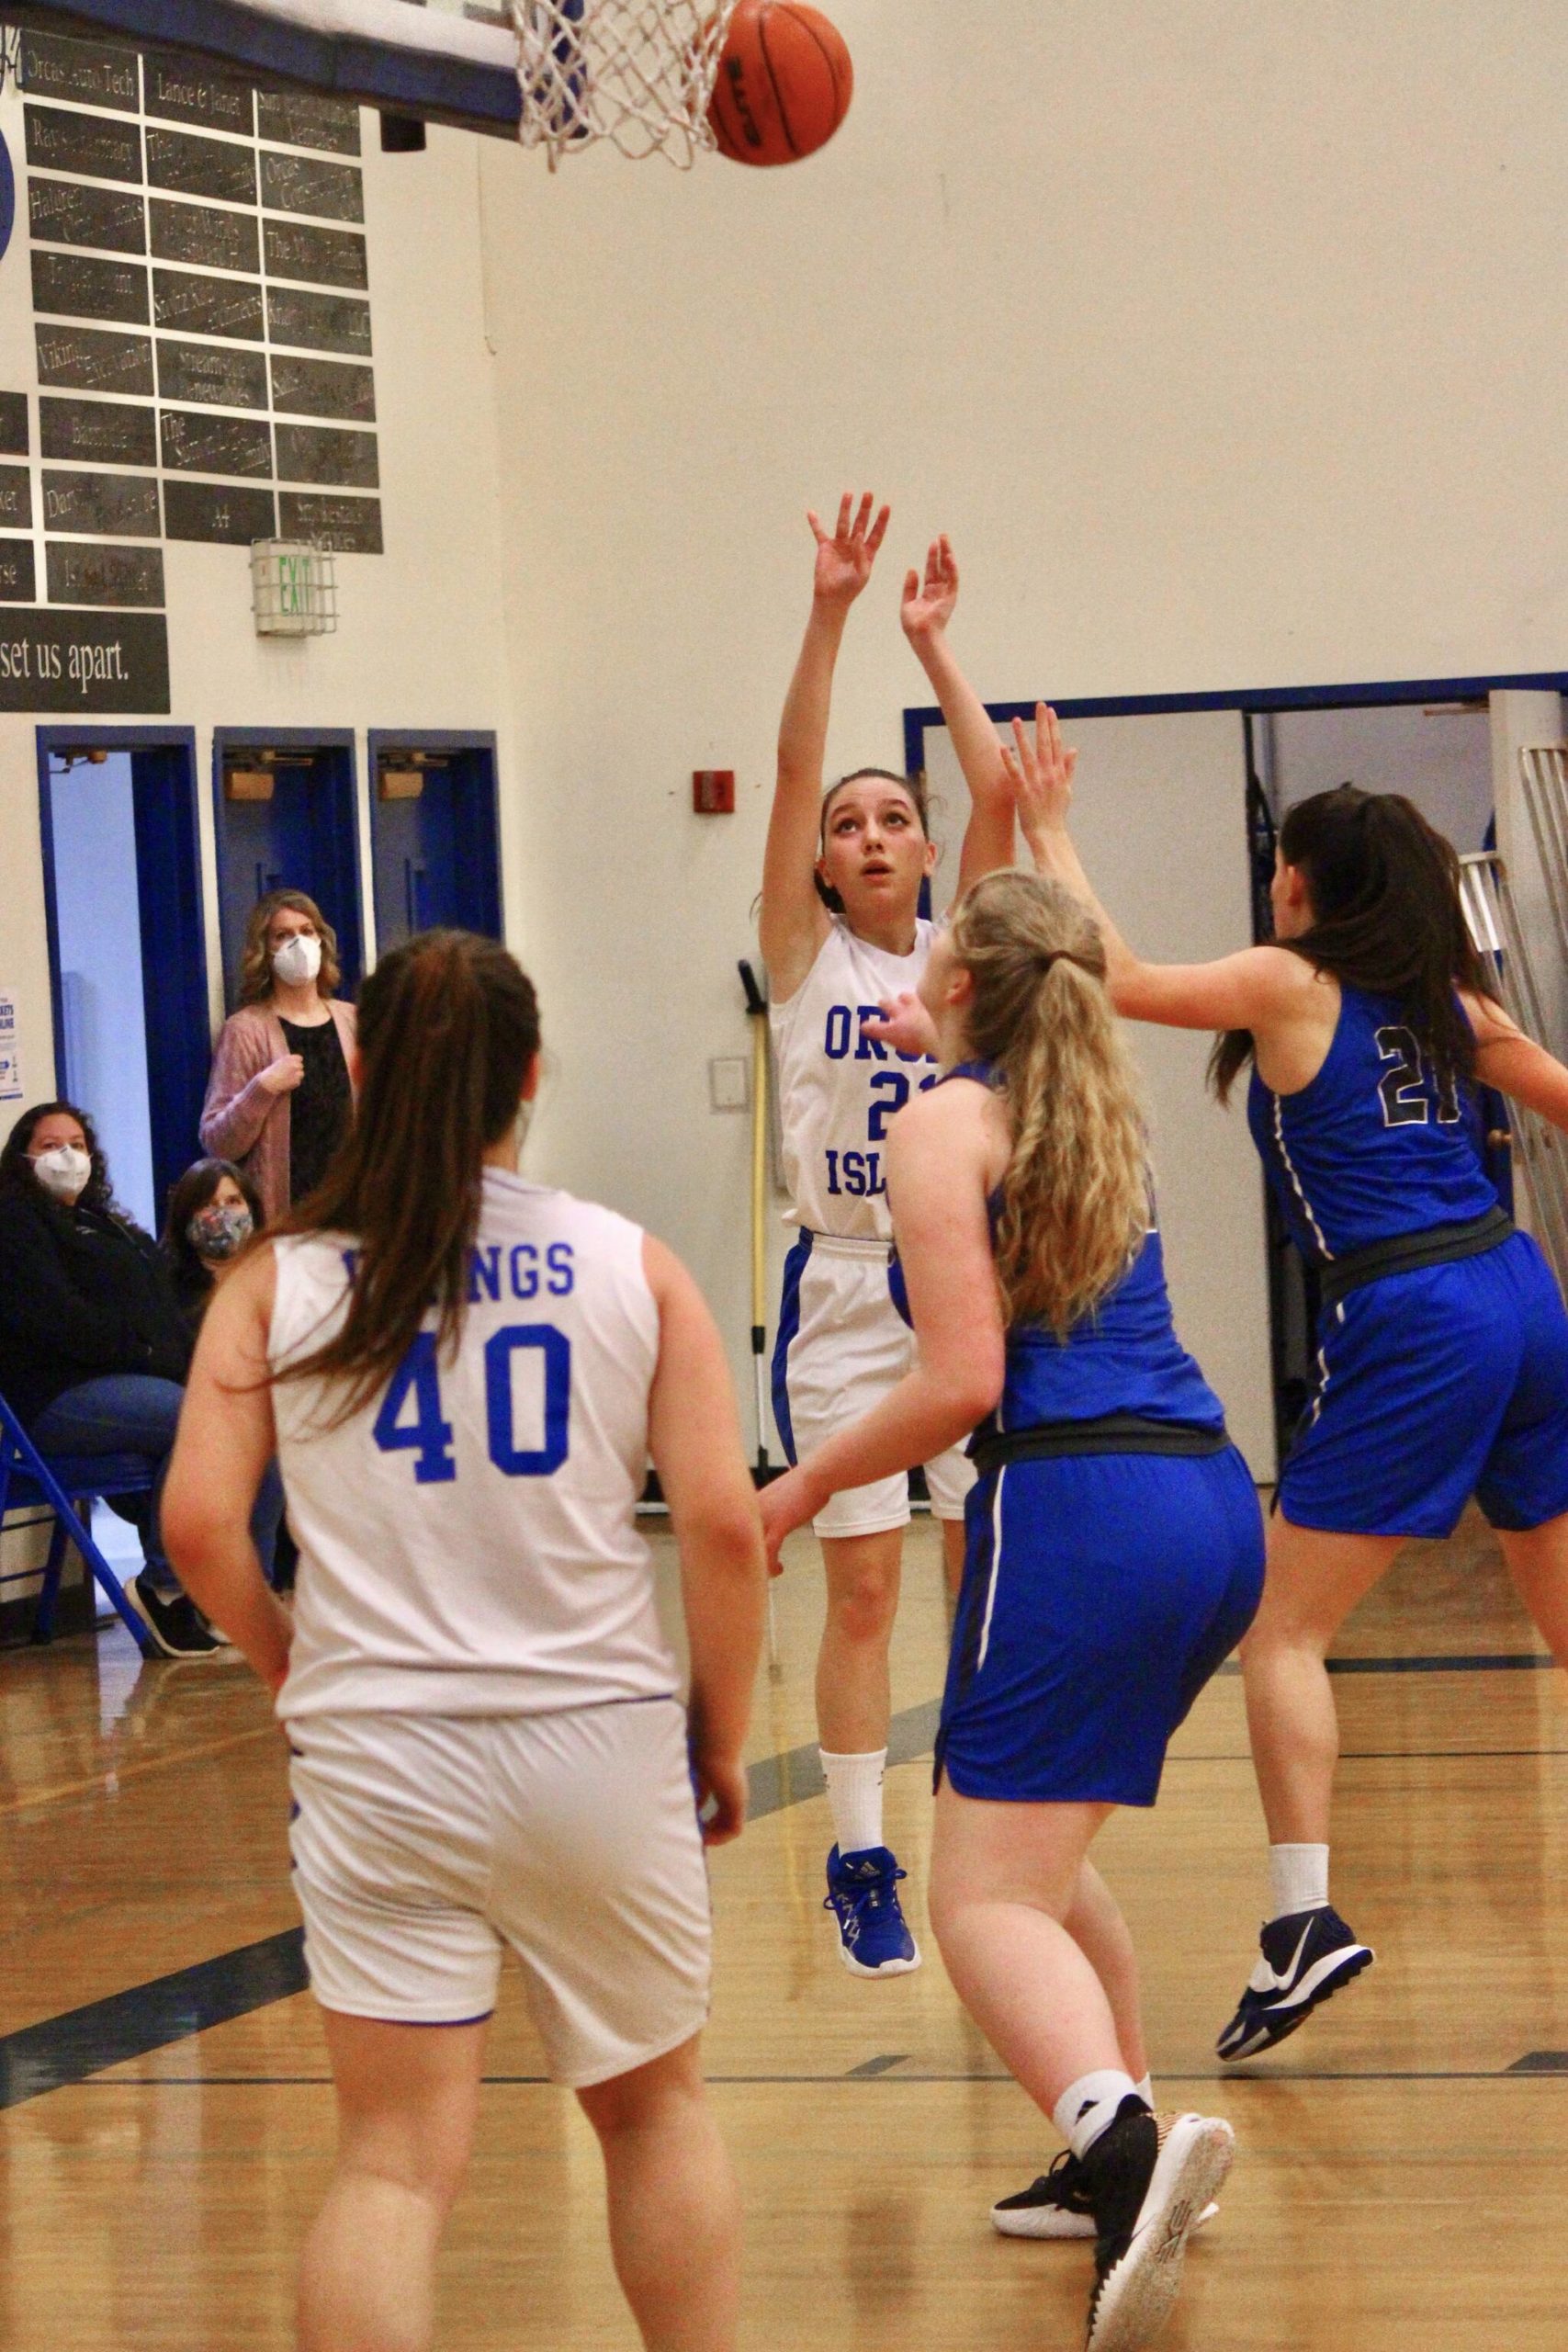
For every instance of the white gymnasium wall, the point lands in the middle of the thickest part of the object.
(1226, 341)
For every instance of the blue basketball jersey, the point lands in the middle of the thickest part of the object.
(1373, 1148)
(1124, 1357)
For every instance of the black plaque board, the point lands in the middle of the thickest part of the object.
(351, 525)
(296, 118)
(321, 257)
(82, 145)
(212, 372)
(83, 662)
(197, 444)
(317, 453)
(177, 89)
(61, 213)
(324, 387)
(18, 586)
(16, 498)
(300, 183)
(320, 322)
(88, 73)
(91, 361)
(80, 573)
(212, 240)
(83, 288)
(110, 506)
(201, 166)
(231, 516)
(226, 306)
(14, 440)
(111, 433)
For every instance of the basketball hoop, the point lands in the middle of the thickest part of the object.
(638, 71)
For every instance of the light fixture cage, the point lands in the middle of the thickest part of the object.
(293, 588)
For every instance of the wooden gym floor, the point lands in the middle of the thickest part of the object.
(1402, 2177)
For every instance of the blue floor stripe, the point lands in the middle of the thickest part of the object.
(145, 2018)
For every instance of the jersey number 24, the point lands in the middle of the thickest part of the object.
(428, 1435)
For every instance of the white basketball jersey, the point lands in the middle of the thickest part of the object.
(837, 1090)
(468, 1540)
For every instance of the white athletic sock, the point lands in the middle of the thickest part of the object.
(1088, 2106)
(854, 1795)
(1298, 1880)
(1145, 2091)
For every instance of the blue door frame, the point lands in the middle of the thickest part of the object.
(437, 859)
(173, 921)
(1360, 694)
(306, 838)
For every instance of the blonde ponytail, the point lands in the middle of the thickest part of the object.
(1075, 1197)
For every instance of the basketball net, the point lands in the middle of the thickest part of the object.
(639, 72)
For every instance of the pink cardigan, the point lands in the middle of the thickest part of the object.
(239, 1120)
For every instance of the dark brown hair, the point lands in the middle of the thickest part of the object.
(448, 1030)
(1386, 917)
(17, 1168)
(915, 785)
(192, 1277)
(257, 978)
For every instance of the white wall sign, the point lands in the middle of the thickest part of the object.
(10, 1054)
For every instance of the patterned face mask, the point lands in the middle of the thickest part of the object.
(217, 1233)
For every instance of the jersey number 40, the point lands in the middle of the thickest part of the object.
(427, 1434)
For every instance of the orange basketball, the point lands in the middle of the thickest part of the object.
(784, 83)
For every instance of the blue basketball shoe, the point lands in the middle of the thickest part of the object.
(862, 1895)
(1306, 1957)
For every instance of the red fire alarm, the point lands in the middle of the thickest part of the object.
(713, 791)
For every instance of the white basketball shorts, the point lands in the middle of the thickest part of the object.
(842, 1346)
(423, 1845)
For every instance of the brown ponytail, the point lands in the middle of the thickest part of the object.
(1075, 1197)
(448, 1028)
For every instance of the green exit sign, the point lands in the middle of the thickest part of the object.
(293, 588)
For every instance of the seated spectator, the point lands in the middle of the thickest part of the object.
(281, 1093)
(212, 1212)
(94, 1348)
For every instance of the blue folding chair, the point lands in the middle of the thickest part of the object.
(31, 1480)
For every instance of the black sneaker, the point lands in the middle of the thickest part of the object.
(1146, 2188)
(1306, 1957)
(172, 1619)
(1058, 2206)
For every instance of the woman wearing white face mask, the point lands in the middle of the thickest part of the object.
(94, 1348)
(280, 1095)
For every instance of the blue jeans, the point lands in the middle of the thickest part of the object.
(132, 1412)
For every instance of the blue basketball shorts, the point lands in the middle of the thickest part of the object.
(1101, 1593)
(1433, 1385)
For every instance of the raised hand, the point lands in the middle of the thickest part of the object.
(845, 554)
(927, 603)
(904, 1024)
(1040, 774)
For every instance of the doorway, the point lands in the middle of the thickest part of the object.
(286, 818)
(434, 834)
(126, 947)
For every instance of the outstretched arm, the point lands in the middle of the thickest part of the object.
(793, 920)
(928, 608)
(1256, 988)
(1515, 1064)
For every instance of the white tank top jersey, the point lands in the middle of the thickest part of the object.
(837, 1090)
(468, 1541)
